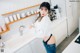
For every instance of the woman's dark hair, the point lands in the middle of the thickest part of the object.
(45, 4)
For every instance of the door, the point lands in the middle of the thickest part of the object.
(70, 20)
(72, 15)
(75, 14)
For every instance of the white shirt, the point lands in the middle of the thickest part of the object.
(42, 28)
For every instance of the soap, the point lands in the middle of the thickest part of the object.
(6, 20)
(4, 27)
(23, 15)
(15, 17)
(18, 16)
(11, 18)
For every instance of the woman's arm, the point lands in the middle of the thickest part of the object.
(33, 24)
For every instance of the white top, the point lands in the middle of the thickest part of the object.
(42, 28)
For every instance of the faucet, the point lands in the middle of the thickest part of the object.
(1, 45)
(21, 29)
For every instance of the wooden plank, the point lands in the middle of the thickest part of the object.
(7, 25)
(20, 10)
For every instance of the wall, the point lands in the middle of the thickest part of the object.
(61, 4)
(79, 9)
(12, 5)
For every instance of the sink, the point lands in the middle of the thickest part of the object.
(18, 42)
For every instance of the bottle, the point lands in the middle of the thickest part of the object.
(23, 15)
(18, 16)
(0, 29)
(11, 18)
(57, 9)
(4, 27)
(15, 17)
(28, 13)
(6, 20)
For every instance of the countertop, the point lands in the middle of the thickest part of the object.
(19, 41)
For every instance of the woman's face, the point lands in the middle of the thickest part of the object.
(43, 11)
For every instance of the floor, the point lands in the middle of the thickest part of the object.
(66, 41)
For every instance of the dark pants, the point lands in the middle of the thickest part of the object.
(50, 48)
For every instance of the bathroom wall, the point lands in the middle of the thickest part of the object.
(12, 5)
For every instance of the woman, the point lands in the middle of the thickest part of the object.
(43, 25)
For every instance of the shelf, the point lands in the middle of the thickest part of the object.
(7, 25)
(21, 18)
